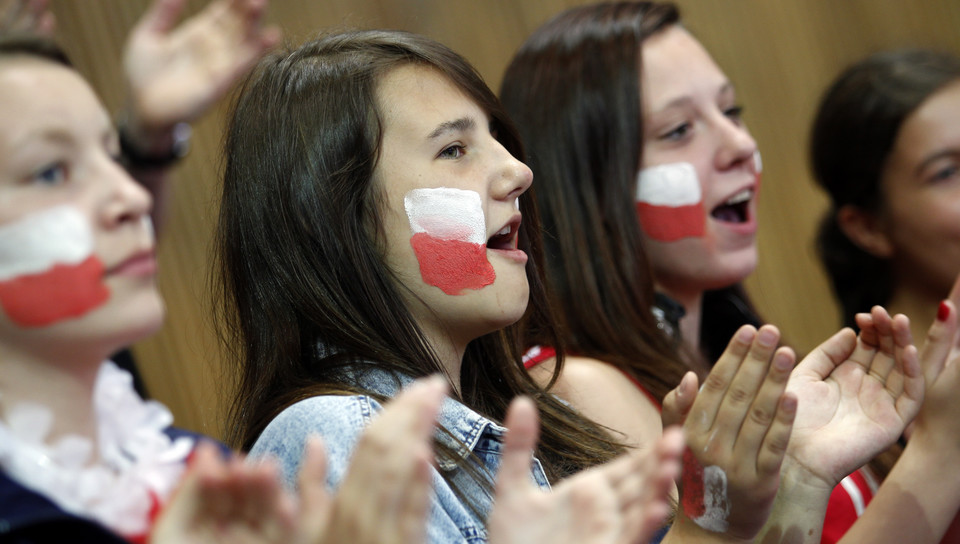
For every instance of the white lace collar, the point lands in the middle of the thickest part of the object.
(138, 468)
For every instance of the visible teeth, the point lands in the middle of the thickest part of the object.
(504, 230)
(742, 196)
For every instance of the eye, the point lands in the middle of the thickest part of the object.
(52, 174)
(677, 133)
(452, 152)
(944, 174)
(735, 114)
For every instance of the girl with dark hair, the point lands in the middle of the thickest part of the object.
(648, 179)
(885, 147)
(82, 457)
(370, 233)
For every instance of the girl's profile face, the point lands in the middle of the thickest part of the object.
(699, 179)
(450, 207)
(920, 185)
(76, 247)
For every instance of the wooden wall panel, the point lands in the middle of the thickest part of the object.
(779, 54)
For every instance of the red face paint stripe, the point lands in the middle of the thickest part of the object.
(669, 223)
(452, 265)
(63, 292)
(692, 486)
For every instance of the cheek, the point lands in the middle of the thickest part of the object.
(48, 272)
(669, 202)
(449, 239)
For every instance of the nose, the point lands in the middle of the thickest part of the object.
(126, 200)
(737, 146)
(514, 178)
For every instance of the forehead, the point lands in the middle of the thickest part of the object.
(676, 65)
(36, 93)
(934, 126)
(415, 99)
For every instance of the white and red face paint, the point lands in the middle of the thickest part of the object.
(449, 238)
(705, 499)
(670, 203)
(48, 272)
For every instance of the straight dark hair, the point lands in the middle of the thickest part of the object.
(305, 293)
(573, 89)
(853, 133)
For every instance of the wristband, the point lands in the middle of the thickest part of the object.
(134, 158)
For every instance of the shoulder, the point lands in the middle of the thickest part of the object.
(337, 419)
(603, 393)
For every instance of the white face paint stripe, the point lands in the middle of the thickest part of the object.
(716, 503)
(59, 235)
(757, 162)
(673, 184)
(447, 214)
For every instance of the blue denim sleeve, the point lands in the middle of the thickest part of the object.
(338, 420)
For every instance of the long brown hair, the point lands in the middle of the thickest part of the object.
(304, 288)
(573, 89)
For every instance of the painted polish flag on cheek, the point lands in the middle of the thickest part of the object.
(449, 238)
(669, 204)
(48, 272)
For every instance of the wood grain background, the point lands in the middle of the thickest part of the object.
(779, 53)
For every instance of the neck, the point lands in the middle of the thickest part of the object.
(919, 306)
(65, 386)
(692, 302)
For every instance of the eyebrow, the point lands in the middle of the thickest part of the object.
(463, 124)
(682, 100)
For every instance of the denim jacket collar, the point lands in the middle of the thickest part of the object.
(465, 426)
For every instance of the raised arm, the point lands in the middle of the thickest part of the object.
(176, 73)
(737, 430)
(855, 397)
(916, 502)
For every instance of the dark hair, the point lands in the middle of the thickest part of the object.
(853, 133)
(33, 45)
(573, 89)
(305, 289)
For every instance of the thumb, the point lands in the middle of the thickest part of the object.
(523, 429)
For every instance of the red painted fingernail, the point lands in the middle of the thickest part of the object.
(943, 312)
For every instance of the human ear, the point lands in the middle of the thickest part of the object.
(865, 230)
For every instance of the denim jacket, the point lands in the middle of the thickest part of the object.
(340, 419)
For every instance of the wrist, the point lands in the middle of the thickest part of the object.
(152, 148)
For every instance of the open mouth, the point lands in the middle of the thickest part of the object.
(505, 238)
(735, 208)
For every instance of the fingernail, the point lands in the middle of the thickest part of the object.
(943, 312)
(767, 338)
(746, 334)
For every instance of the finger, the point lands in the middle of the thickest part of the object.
(710, 397)
(868, 330)
(385, 459)
(523, 430)
(161, 16)
(678, 402)
(742, 394)
(902, 338)
(762, 416)
(413, 515)
(909, 401)
(883, 360)
(940, 339)
(770, 456)
(826, 357)
(315, 501)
